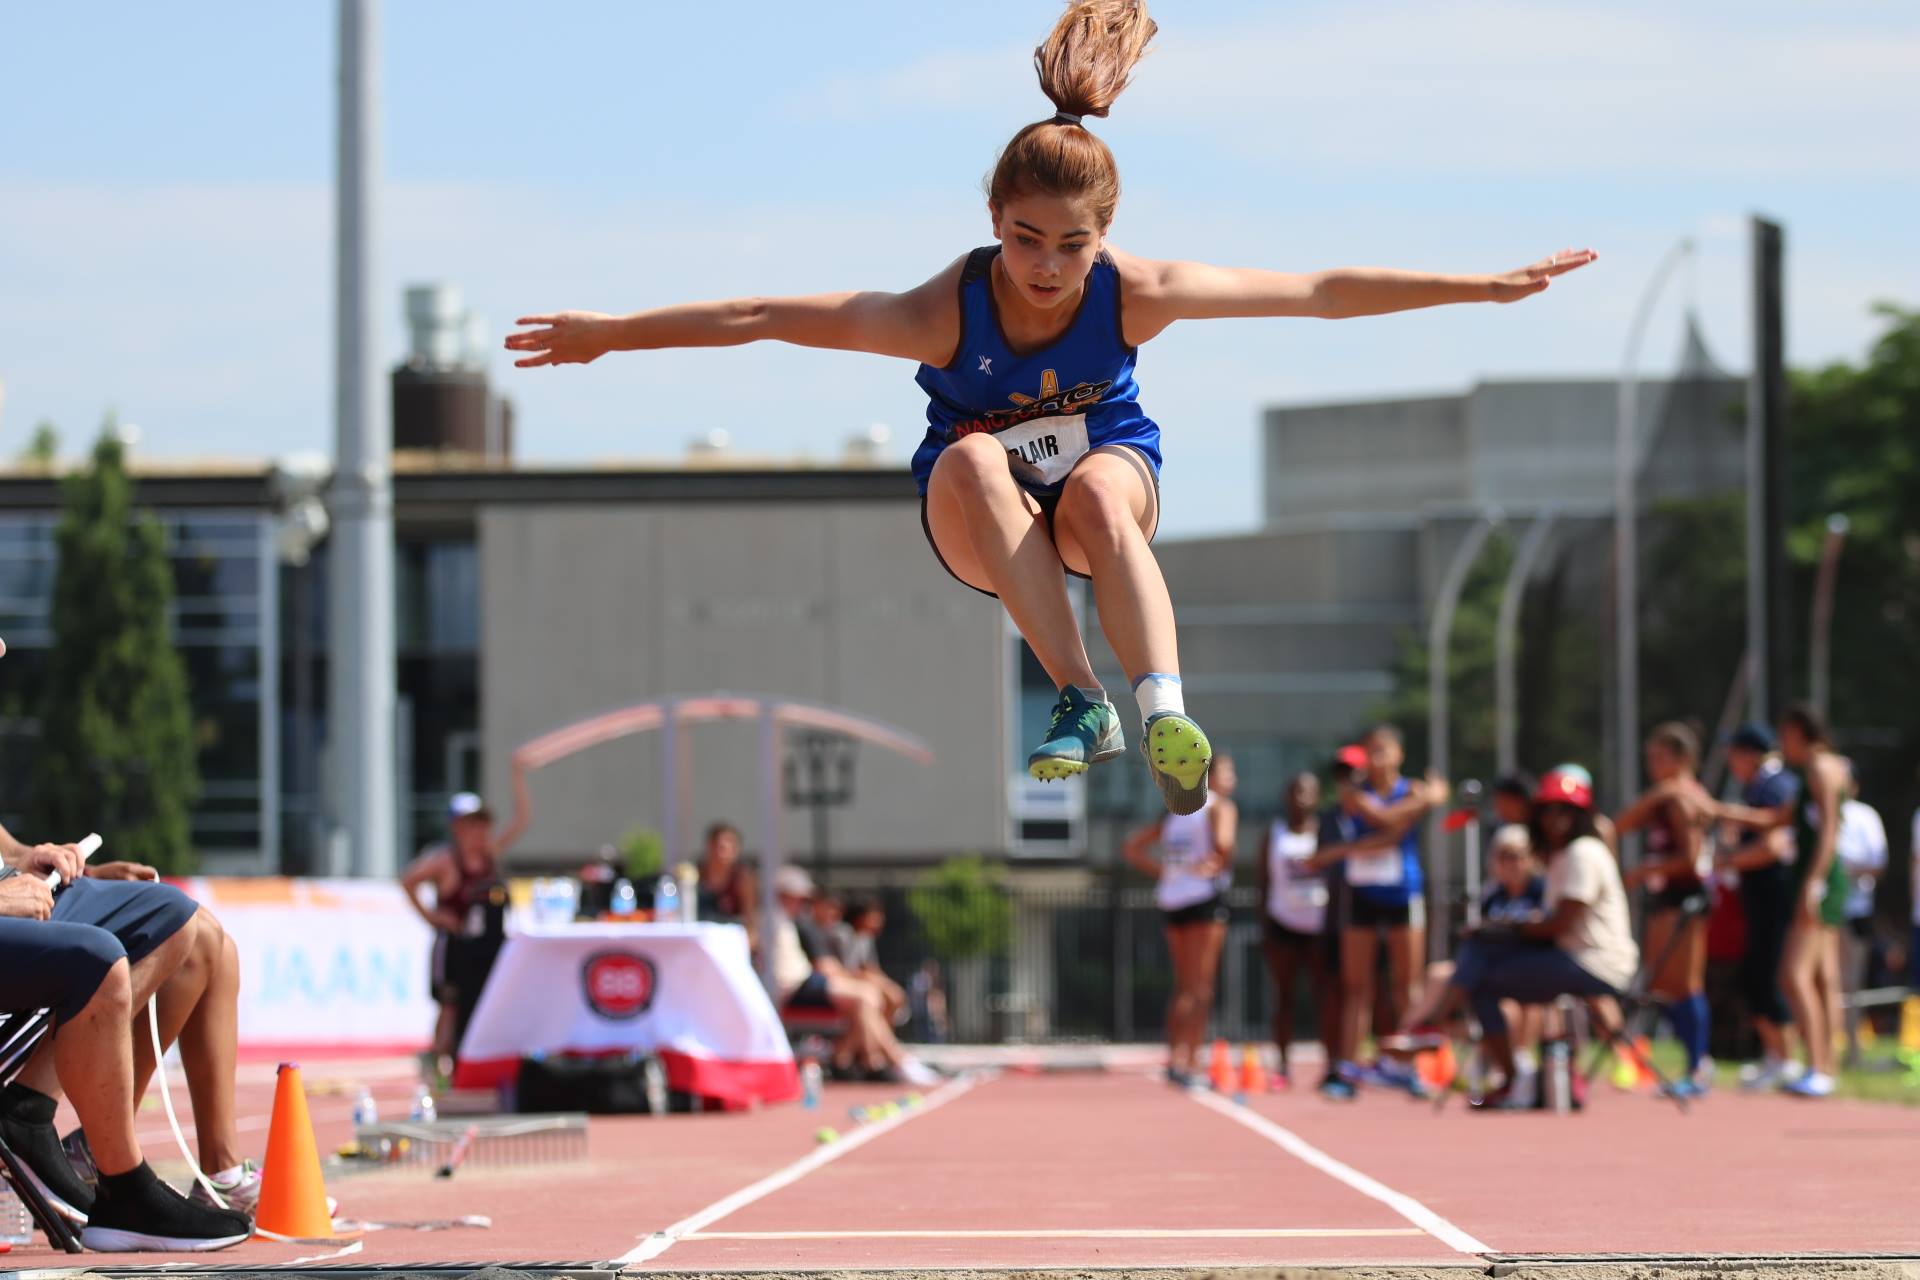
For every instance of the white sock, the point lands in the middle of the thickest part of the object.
(1158, 694)
(227, 1177)
(1523, 1061)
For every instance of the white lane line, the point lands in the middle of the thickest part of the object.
(661, 1241)
(1224, 1233)
(1294, 1145)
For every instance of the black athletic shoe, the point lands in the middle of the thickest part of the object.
(26, 1123)
(135, 1212)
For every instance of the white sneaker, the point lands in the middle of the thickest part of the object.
(916, 1072)
(1524, 1092)
(1769, 1073)
(241, 1191)
(1814, 1084)
(1705, 1074)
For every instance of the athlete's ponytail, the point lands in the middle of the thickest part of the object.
(1083, 65)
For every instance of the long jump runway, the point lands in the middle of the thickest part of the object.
(1117, 1170)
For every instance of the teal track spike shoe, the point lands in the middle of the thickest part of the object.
(1178, 755)
(1081, 734)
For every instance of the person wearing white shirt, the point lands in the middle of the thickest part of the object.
(1295, 933)
(1861, 848)
(1193, 872)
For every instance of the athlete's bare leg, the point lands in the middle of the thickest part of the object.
(1108, 509)
(992, 536)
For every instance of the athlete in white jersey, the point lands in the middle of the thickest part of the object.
(1193, 870)
(1296, 934)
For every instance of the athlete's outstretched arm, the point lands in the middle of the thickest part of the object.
(1159, 293)
(921, 324)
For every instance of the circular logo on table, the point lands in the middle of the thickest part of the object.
(617, 984)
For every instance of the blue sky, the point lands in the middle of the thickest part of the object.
(165, 216)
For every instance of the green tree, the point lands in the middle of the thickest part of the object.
(963, 907)
(1854, 449)
(116, 750)
(1554, 670)
(43, 447)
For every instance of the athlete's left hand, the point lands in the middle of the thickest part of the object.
(1527, 281)
(122, 871)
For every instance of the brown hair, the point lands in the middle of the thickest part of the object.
(1084, 64)
(1677, 738)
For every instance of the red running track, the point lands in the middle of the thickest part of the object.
(1120, 1170)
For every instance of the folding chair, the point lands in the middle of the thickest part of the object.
(20, 1035)
(1636, 1009)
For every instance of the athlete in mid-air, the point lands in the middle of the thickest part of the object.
(1038, 455)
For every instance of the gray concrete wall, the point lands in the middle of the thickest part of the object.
(1392, 455)
(589, 608)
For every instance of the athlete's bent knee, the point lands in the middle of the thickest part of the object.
(975, 463)
(1099, 509)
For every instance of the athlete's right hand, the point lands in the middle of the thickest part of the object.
(565, 337)
(25, 898)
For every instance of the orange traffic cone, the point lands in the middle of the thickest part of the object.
(1253, 1076)
(1436, 1067)
(1642, 1064)
(293, 1195)
(1219, 1069)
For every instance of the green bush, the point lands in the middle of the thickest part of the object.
(964, 909)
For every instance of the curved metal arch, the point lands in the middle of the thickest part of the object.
(646, 717)
(669, 714)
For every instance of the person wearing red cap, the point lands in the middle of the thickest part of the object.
(1585, 920)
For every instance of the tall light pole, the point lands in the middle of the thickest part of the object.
(1439, 629)
(1626, 550)
(360, 722)
(1820, 648)
(1506, 636)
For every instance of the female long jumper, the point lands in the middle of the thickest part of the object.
(1038, 455)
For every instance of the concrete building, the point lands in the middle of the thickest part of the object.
(1289, 634)
(528, 598)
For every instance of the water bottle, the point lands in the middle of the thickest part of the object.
(423, 1109)
(16, 1224)
(810, 1080)
(625, 900)
(1557, 1078)
(666, 900)
(366, 1112)
(687, 877)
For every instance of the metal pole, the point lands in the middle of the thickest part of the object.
(670, 846)
(770, 852)
(361, 723)
(1506, 686)
(1439, 628)
(1470, 793)
(1626, 551)
(1820, 649)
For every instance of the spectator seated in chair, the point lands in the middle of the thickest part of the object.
(808, 976)
(1581, 946)
(92, 955)
(858, 937)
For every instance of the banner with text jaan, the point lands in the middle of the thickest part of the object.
(325, 965)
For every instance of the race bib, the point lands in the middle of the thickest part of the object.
(1044, 450)
(1376, 870)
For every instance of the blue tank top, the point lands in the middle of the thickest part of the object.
(1393, 877)
(1048, 408)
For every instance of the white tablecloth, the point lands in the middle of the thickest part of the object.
(687, 992)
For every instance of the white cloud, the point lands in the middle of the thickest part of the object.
(1500, 87)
